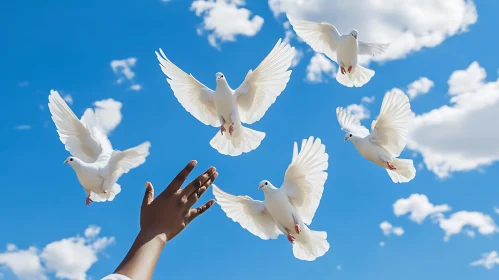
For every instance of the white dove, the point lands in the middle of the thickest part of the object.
(343, 49)
(290, 209)
(388, 137)
(226, 107)
(97, 166)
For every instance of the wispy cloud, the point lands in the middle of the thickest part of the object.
(320, 69)
(23, 84)
(488, 260)
(123, 70)
(22, 127)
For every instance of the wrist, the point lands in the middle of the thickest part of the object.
(156, 238)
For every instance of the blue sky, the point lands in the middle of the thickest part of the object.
(68, 46)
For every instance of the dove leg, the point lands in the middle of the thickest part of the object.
(297, 226)
(350, 69)
(222, 124)
(88, 200)
(342, 68)
(233, 116)
(390, 166)
(284, 230)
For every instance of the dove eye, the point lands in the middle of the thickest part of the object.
(266, 183)
(71, 159)
(350, 135)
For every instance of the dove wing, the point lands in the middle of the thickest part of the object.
(390, 131)
(371, 49)
(121, 162)
(73, 133)
(261, 87)
(321, 37)
(250, 214)
(305, 177)
(350, 123)
(195, 97)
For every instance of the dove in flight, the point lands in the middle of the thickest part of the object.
(343, 49)
(388, 137)
(227, 108)
(289, 209)
(97, 166)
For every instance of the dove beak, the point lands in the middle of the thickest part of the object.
(345, 139)
(355, 36)
(66, 161)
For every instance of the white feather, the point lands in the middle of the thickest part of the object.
(250, 214)
(305, 178)
(261, 87)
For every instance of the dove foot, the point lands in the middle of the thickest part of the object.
(222, 129)
(231, 129)
(343, 70)
(350, 69)
(297, 229)
(390, 166)
(291, 238)
(88, 200)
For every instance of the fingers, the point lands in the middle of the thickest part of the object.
(180, 178)
(149, 195)
(194, 197)
(198, 182)
(194, 213)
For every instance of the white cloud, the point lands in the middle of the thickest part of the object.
(136, 87)
(320, 69)
(460, 136)
(22, 127)
(496, 210)
(223, 20)
(69, 258)
(382, 244)
(388, 229)
(123, 69)
(108, 113)
(419, 207)
(92, 231)
(25, 264)
(23, 84)
(388, 21)
(488, 260)
(457, 221)
(360, 110)
(297, 58)
(419, 87)
(367, 99)
(68, 98)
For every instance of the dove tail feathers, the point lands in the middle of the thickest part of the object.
(310, 244)
(243, 140)
(101, 197)
(359, 77)
(404, 171)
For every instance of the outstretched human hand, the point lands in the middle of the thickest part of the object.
(162, 218)
(168, 214)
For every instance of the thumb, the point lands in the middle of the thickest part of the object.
(149, 195)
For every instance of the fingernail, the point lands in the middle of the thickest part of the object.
(211, 170)
(193, 162)
(215, 175)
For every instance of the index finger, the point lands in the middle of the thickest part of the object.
(175, 185)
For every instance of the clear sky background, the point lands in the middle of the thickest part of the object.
(448, 47)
